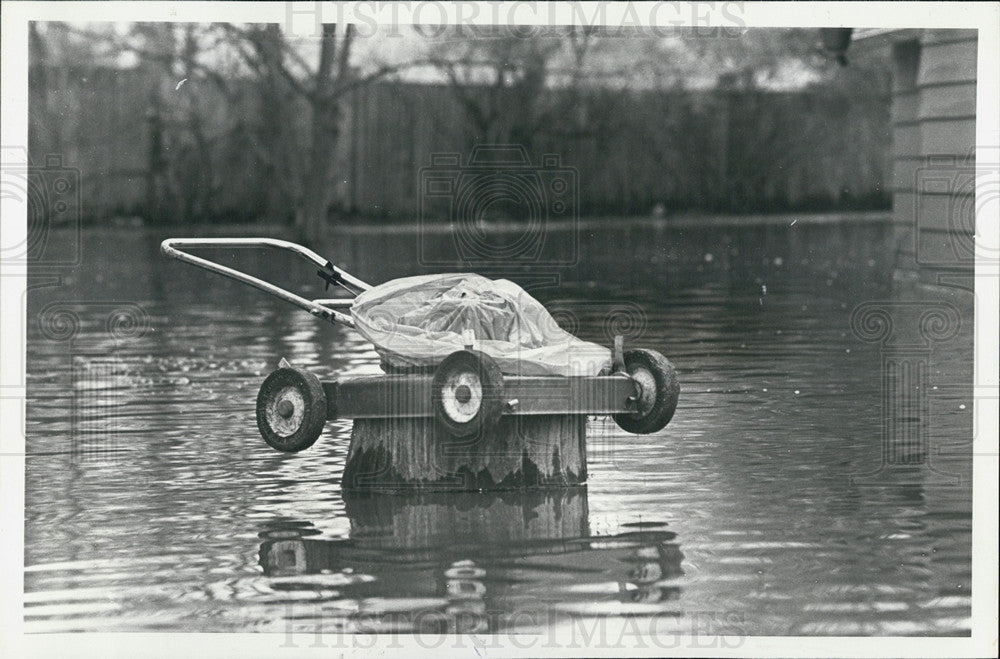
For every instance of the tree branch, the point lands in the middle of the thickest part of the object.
(269, 55)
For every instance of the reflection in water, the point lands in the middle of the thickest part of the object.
(471, 563)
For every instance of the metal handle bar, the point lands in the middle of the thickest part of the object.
(173, 247)
(334, 302)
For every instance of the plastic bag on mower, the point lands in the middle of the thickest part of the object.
(418, 321)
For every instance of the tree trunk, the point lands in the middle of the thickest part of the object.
(311, 216)
(317, 192)
(157, 207)
(278, 138)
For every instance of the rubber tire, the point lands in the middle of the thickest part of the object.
(314, 414)
(667, 392)
(491, 379)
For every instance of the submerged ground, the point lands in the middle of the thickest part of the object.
(153, 504)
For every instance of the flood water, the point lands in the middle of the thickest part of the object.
(777, 502)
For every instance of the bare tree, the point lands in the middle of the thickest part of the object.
(500, 79)
(182, 136)
(559, 82)
(285, 78)
(293, 133)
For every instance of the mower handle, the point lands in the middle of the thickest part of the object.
(173, 247)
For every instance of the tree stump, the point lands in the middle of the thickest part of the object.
(416, 453)
(407, 522)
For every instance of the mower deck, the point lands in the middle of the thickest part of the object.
(404, 395)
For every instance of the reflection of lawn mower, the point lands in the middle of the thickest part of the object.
(420, 550)
(466, 389)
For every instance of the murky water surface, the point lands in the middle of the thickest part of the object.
(770, 505)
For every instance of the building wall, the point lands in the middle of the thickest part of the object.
(934, 135)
